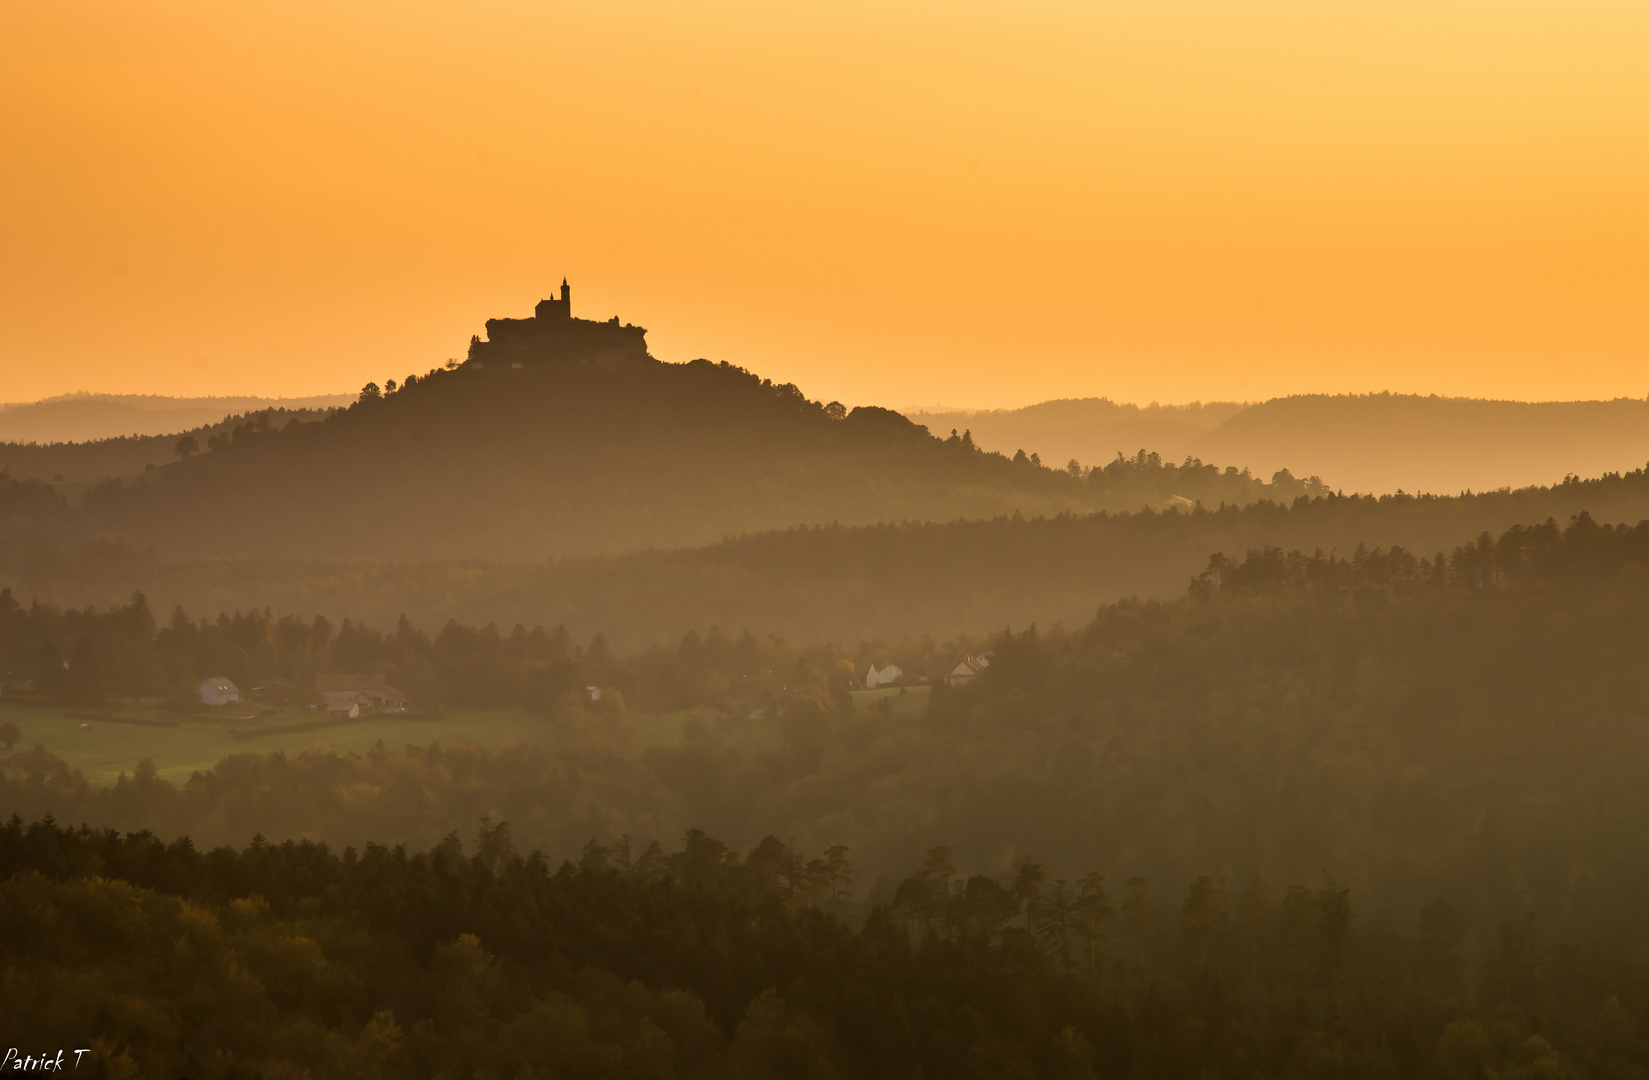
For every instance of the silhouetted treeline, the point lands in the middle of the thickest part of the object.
(1520, 554)
(1145, 481)
(388, 962)
(831, 583)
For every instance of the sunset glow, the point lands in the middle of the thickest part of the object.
(969, 204)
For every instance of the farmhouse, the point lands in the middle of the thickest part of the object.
(352, 695)
(218, 690)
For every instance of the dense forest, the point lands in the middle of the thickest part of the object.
(1470, 726)
(286, 960)
(824, 584)
(544, 460)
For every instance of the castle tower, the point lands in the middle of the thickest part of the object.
(556, 309)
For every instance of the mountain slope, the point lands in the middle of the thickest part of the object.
(549, 460)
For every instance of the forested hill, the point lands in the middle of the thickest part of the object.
(819, 584)
(534, 461)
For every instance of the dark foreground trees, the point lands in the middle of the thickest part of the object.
(291, 960)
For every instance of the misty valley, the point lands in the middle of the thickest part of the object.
(644, 719)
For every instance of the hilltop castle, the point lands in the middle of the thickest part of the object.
(553, 336)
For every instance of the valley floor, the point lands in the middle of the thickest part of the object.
(181, 744)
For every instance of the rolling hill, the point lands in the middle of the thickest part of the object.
(542, 460)
(1091, 430)
(557, 437)
(833, 583)
(80, 418)
(1387, 442)
(1373, 443)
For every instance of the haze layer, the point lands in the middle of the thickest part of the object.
(893, 203)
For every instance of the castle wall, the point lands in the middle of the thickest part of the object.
(558, 339)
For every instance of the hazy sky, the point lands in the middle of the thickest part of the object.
(963, 203)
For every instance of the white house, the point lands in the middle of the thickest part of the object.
(218, 690)
(968, 669)
(885, 677)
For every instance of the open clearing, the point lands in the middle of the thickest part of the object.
(103, 749)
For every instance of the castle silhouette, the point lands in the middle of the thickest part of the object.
(553, 336)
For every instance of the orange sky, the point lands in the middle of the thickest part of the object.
(962, 203)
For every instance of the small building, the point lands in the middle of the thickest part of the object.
(363, 693)
(967, 670)
(886, 677)
(218, 690)
(592, 693)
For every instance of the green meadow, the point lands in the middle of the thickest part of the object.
(102, 749)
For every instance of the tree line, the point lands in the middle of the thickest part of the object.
(830, 583)
(92, 656)
(291, 959)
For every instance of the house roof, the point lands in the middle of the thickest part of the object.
(221, 684)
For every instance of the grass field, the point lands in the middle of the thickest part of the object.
(104, 749)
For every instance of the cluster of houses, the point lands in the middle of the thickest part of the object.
(963, 673)
(342, 695)
(349, 696)
(770, 696)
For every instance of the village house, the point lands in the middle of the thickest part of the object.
(218, 690)
(968, 670)
(353, 695)
(885, 677)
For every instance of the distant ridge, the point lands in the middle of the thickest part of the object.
(1376, 443)
(1385, 442)
(84, 417)
(1091, 430)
